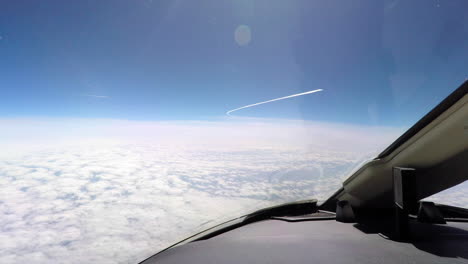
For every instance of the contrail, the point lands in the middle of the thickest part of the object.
(96, 96)
(277, 99)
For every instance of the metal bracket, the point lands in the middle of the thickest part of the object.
(404, 197)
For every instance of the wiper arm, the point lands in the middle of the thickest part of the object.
(288, 209)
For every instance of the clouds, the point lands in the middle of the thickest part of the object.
(107, 191)
(218, 133)
(456, 196)
(125, 202)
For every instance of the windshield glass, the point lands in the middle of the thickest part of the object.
(126, 126)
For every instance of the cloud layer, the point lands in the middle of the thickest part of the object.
(110, 191)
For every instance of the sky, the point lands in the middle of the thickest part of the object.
(114, 138)
(378, 62)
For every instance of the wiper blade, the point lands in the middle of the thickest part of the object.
(288, 209)
(298, 208)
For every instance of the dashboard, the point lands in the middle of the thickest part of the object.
(323, 241)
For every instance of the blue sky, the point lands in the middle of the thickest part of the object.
(115, 110)
(379, 62)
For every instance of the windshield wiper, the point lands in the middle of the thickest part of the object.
(288, 209)
(298, 208)
(294, 209)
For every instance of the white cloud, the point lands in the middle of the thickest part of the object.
(106, 191)
(455, 196)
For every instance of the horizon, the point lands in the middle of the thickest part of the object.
(116, 138)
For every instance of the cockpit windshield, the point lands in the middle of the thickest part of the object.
(126, 126)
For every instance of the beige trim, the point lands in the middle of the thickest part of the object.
(442, 139)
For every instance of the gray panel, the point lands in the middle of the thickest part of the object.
(276, 241)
